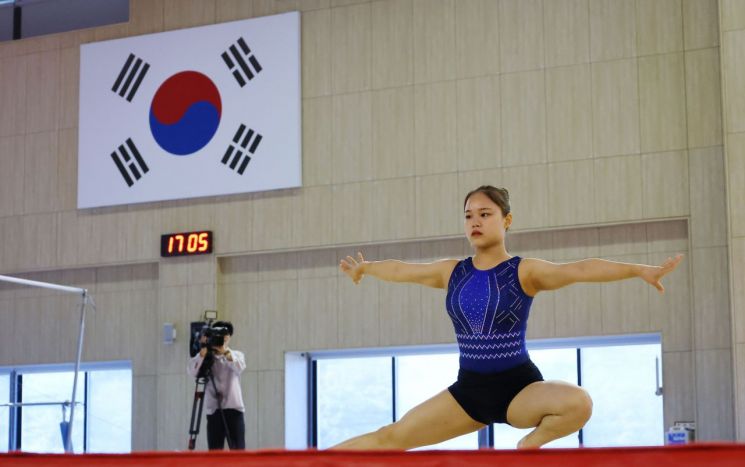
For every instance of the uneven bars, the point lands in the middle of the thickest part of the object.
(76, 290)
(44, 285)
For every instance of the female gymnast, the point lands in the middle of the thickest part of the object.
(488, 300)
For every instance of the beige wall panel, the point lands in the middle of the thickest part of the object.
(316, 52)
(456, 248)
(393, 133)
(173, 307)
(232, 10)
(528, 187)
(669, 237)
(733, 66)
(392, 43)
(521, 35)
(572, 245)
(542, 317)
(477, 37)
(714, 404)
(567, 32)
(572, 189)
(615, 108)
(435, 128)
(42, 93)
(147, 16)
(14, 76)
(270, 409)
(275, 307)
(174, 215)
(8, 312)
(34, 45)
(400, 307)
(622, 240)
(142, 231)
(351, 48)
(671, 312)
(612, 29)
(659, 26)
(68, 239)
(319, 263)
(434, 40)
(436, 325)
(437, 206)
(739, 390)
(238, 303)
(478, 125)
(359, 313)
(662, 105)
(143, 335)
(679, 387)
(278, 266)
(703, 98)
(238, 269)
(523, 97)
(353, 203)
(69, 86)
(738, 292)
(351, 141)
(10, 227)
(711, 305)
(104, 339)
(107, 246)
(314, 321)
(250, 390)
(179, 14)
(625, 304)
(144, 413)
(113, 31)
(335, 3)
(618, 188)
(312, 218)
(272, 220)
(174, 272)
(232, 228)
(67, 169)
(708, 197)
(394, 209)
(700, 23)
(732, 15)
(665, 184)
(202, 270)
(175, 394)
(569, 113)
(735, 166)
(578, 311)
(12, 157)
(39, 249)
(471, 180)
(317, 149)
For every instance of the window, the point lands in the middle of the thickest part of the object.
(102, 414)
(355, 395)
(626, 408)
(4, 411)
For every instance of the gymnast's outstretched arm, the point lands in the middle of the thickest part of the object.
(537, 275)
(435, 274)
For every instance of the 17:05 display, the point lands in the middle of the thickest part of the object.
(187, 243)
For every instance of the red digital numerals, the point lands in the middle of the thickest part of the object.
(185, 244)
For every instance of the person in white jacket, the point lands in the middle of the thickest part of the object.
(226, 370)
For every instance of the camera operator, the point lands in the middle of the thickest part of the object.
(226, 369)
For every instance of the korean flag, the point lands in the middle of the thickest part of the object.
(204, 111)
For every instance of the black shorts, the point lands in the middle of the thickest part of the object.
(486, 396)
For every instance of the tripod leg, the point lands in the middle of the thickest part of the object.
(196, 412)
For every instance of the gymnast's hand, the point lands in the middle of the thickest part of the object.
(653, 274)
(354, 268)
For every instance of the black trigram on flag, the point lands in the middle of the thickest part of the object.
(241, 63)
(237, 155)
(131, 76)
(129, 162)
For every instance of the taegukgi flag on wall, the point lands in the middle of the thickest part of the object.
(196, 112)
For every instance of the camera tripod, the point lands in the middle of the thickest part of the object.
(203, 378)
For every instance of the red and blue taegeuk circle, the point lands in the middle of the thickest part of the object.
(185, 113)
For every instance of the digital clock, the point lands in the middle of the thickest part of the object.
(186, 244)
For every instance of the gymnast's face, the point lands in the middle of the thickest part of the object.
(485, 225)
